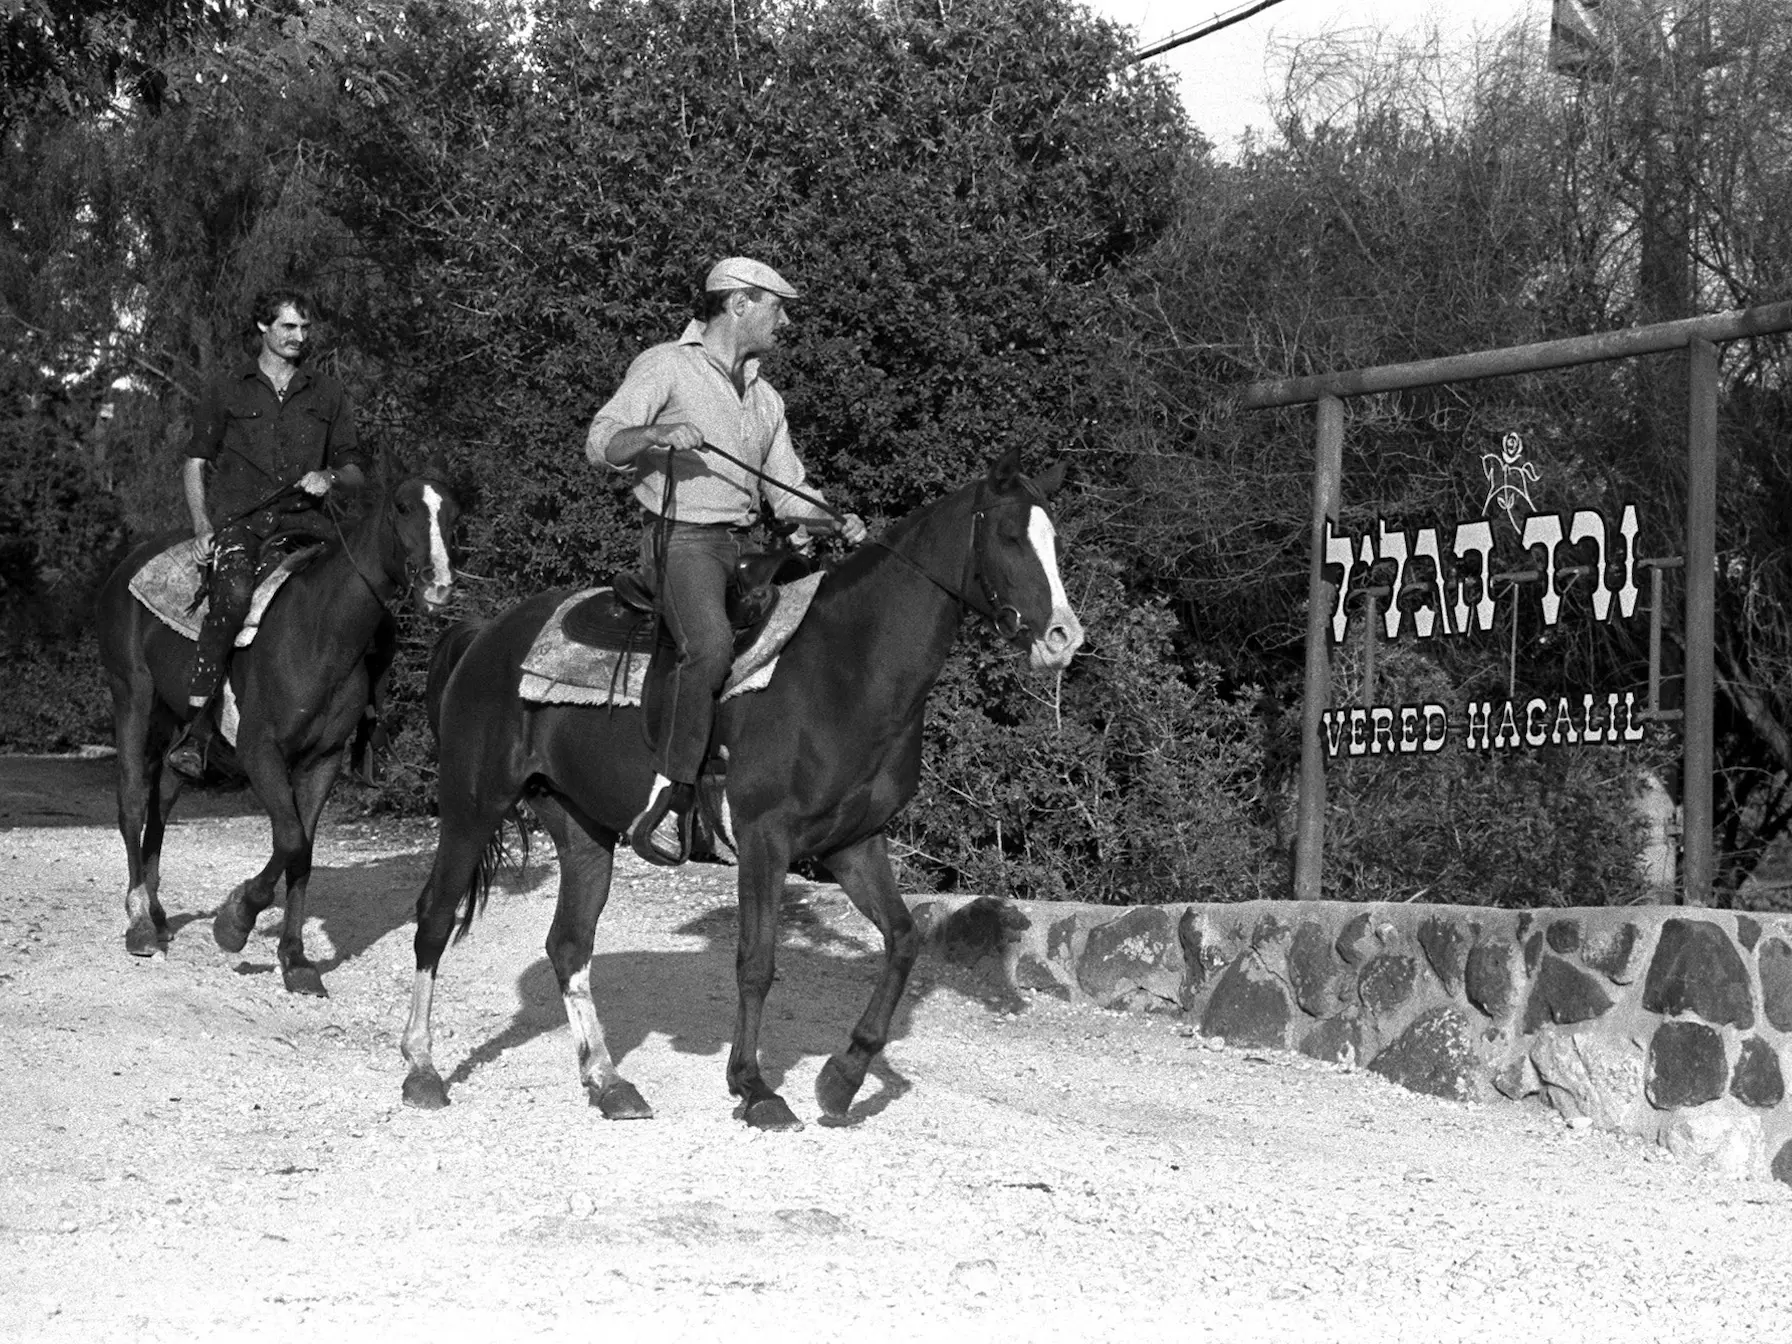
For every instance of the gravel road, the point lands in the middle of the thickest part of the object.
(196, 1155)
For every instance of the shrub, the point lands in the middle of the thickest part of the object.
(1130, 780)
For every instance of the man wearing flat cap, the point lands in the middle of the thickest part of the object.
(703, 388)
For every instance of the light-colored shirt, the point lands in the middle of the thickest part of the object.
(678, 382)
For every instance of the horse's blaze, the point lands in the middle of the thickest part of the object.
(441, 578)
(1063, 636)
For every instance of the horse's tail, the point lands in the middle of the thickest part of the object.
(493, 857)
(442, 660)
(449, 649)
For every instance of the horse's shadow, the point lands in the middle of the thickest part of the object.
(825, 977)
(355, 905)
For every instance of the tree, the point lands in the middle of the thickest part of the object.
(75, 58)
(498, 215)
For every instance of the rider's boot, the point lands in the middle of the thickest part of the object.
(661, 833)
(187, 756)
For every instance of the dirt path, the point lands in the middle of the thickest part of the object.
(196, 1155)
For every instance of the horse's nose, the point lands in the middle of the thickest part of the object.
(1060, 642)
(436, 595)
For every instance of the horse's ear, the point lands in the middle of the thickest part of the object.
(1051, 479)
(1004, 472)
(437, 466)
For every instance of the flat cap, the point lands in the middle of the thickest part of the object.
(745, 273)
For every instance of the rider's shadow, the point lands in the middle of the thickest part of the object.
(825, 977)
(354, 906)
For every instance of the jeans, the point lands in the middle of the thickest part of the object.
(699, 559)
(236, 554)
(235, 551)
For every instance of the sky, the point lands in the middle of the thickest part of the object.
(1225, 78)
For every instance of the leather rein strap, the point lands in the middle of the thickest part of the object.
(1004, 616)
(330, 511)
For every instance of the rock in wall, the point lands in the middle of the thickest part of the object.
(1671, 1024)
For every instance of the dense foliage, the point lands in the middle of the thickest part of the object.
(1006, 233)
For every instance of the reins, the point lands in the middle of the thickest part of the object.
(748, 467)
(1004, 616)
(331, 512)
(329, 509)
(993, 609)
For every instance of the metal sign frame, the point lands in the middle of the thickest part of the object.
(1699, 337)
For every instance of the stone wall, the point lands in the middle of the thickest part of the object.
(1663, 1022)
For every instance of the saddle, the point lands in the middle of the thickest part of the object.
(623, 620)
(172, 585)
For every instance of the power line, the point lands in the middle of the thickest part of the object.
(1238, 15)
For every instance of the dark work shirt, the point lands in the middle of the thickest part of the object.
(258, 442)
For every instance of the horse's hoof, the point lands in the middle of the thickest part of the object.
(620, 1101)
(143, 940)
(834, 1090)
(423, 1089)
(304, 980)
(770, 1113)
(229, 929)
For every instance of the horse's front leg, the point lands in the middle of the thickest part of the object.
(863, 872)
(265, 765)
(763, 866)
(312, 783)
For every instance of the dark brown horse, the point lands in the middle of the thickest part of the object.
(818, 764)
(300, 689)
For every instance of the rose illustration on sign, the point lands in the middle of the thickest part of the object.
(1508, 478)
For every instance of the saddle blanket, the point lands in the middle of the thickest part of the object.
(168, 584)
(560, 671)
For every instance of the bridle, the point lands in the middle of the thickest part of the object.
(1002, 614)
(411, 566)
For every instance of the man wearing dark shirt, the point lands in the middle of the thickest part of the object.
(266, 425)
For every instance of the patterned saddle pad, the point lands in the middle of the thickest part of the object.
(169, 582)
(561, 671)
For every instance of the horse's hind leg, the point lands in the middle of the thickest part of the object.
(164, 788)
(863, 871)
(466, 826)
(586, 852)
(141, 815)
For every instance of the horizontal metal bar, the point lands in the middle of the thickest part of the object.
(1621, 344)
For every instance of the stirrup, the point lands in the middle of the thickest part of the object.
(661, 834)
(187, 756)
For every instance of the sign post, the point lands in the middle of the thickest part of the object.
(1309, 839)
(1701, 598)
